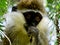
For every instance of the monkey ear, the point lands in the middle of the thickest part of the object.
(14, 8)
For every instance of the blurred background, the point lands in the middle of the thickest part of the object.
(53, 9)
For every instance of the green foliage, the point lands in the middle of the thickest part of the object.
(3, 9)
(53, 5)
(1, 23)
(3, 6)
(56, 43)
(1, 26)
(54, 8)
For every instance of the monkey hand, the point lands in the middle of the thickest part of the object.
(33, 31)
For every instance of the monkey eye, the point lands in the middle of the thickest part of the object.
(37, 18)
(28, 16)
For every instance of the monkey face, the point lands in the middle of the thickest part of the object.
(32, 18)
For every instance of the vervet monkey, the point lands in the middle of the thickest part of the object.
(27, 24)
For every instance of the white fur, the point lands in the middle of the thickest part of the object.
(15, 21)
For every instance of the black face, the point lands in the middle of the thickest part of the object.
(32, 18)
